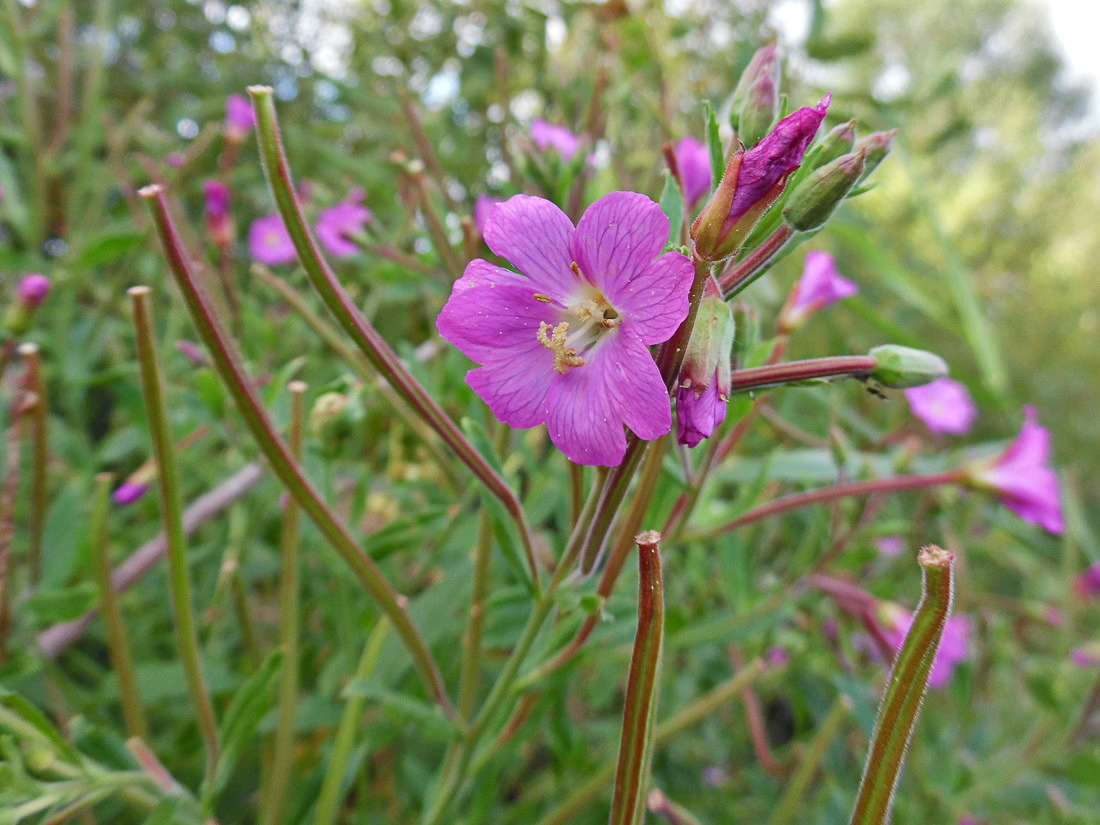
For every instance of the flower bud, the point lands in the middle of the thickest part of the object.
(333, 419)
(836, 142)
(899, 367)
(752, 183)
(875, 146)
(704, 387)
(33, 290)
(219, 224)
(756, 98)
(819, 194)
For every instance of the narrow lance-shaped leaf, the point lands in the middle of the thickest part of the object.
(636, 746)
(897, 716)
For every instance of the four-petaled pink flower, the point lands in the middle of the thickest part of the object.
(338, 224)
(550, 136)
(821, 284)
(566, 343)
(239, 118)
(269, 242)
(954, 645)
(693, 163)
(945, 406)
(1022, 478)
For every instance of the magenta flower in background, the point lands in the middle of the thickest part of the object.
(821, 284)
(269, 242)
(890, 546)
(482, 208)
(566, 343)
(1022, 478)
(945, 406)
(192, 352)
(33, 289)
(753, 181)
(954, 646)
(1087, 584)
(550, 136)
(1086, 656)
(777, 656)
(239, 118)
(128, 492)
(338, 224)
(693, 163)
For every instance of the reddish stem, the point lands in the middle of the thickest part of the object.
(772, 375)
(741, 274)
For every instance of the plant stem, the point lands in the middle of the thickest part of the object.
(290, 473)
(39, 463)
(288, 623)
(804, 499)
(741, 274)
(133, 712)
(9, 489)
(772, 375)
(471, 640)
(347, 314)
(897, 715)
(640, 707)
(171, 511)
(28, 105)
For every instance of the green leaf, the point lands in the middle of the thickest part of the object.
(429, 719)
(714, 144)
(672, 204)
(164, 813)
(27, 720)
(109, 248)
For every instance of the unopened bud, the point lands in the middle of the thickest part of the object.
(836, 142)
(900, 367)
(331, 420)
(704, 385)
(821, 192)
(219, 224)
(33, 290)
(759, 89)
(875, 146)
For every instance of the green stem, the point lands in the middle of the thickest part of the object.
(837, 491)
(471, 641)
(567, 810)
(897, 715)
(118, 644)
(640, 708)
(288, 623)
(290, 473)
(342, 743)
(31, 127)
(172, 512)
(39, 436)
(355, 324)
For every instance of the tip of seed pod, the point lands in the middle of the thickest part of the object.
(648, 538)
(259, 90)
(151, 191)
(932, 555)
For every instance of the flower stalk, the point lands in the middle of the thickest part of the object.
(36, 520)
(793, 372)
(636, 744)
(738, 276)
(172, 511)
(901, 703)
(290, 473)
(348, 315)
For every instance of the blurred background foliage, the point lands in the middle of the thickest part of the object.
(978, 241)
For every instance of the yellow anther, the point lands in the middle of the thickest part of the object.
(545, 299)
(554, 338)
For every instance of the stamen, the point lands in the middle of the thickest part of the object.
(565, 358)
(576, 269)
(545, 299)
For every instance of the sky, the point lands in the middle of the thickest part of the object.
(1076, 24)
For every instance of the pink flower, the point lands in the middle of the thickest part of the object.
(33, 289)
(753, 181)
(821, 284)
(890, 546)
(693, 163)
(1086, 656)
(128, 492)
(482, 209)
(192, 352)
(269, 242)
(698, 416)
(549, 136)
(703, 388)
(337, 223)
(954, 646)
(777, 656)
(1022, 478)
(1087, 585)
(945, 406)
(566, 344)
(219, 224)
(239, 118)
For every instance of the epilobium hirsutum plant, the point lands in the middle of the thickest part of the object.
(487, 487)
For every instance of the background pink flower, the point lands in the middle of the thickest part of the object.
(821, 284)
(693, 161)
(240, 118)
(34, 288)
(269, 242)
(550, 136)
(338, 224)
(954, 646)
(482, 208)
(945, 406)
(566, 343)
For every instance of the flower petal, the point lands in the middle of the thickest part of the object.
(537, 238)
(515, 385)
(655, 300)
(634, 385)
(617, 238)
(492, 314)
